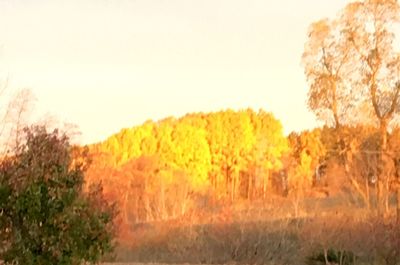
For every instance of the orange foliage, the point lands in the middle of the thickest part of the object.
(161, 170)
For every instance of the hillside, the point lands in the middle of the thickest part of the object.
(206, 179)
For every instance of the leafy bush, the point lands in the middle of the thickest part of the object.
(45, 216)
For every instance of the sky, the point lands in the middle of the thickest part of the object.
(105, 65)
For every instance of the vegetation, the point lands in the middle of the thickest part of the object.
(227, 179)
(45, 217)
(163, 166)
(353, 65)
(166, 211)
(228, 185)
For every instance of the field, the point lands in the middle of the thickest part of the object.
(268, 232)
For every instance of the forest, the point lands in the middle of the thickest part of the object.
(203, 167)
(155, 169)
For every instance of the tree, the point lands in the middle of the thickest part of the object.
(308, 151)
(370, 31)
(45, 216)
(231, 139)
(362, 38)
(326, 60)
(14, 117)
(191, 154)
(266, 154)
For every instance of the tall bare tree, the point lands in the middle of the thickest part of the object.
(369, 28)
(326, 63)
(353, 66)
(16, 118)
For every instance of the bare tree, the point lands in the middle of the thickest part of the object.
(16, 118)
(326, 61)
(353, 66)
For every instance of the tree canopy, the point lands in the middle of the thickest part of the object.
(230, 154)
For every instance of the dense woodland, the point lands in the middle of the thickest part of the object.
(161, 170)
(158, 169)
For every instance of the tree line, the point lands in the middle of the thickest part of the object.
(162, 170)
(160, 165)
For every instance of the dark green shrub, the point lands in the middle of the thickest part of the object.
(45, 216)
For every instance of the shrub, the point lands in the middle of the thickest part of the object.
(45, 216)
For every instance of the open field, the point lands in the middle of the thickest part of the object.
(267, 233)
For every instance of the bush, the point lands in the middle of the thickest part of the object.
(45, 216)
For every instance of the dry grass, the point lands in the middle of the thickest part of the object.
(267, 233)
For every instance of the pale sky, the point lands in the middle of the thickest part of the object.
(111, 64)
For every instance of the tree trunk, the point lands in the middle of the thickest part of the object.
(398, 205)
(363, 195)
(235, 184)
(381, 171)
(162, 200)
(367, 196)
(326, 256)
(228, 183)
(265, 183)
(383, 134)
(387, 196)
(341, 258)
(233, 189)
(146, 201)
(185, 199)
(125, 212)
(378, 190)
(250, 185)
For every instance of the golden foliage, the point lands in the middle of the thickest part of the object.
(226, 152)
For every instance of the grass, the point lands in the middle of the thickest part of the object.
(266, 232)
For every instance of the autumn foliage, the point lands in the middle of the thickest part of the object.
(161, 170)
